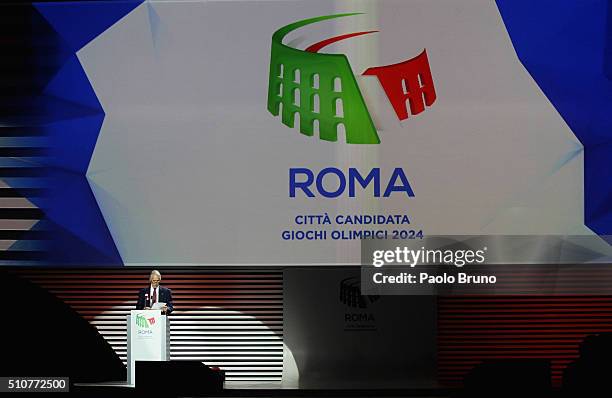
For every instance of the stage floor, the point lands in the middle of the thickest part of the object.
(265, 389)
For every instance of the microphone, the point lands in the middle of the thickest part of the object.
(147, 303)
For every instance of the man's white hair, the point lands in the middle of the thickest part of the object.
(154, 272)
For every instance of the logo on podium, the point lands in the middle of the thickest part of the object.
(143, 324)
(141, 321)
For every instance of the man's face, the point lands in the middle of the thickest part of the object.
(155, 280)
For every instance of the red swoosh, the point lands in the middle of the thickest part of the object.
(313, 48)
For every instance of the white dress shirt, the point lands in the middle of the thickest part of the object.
(151, 295)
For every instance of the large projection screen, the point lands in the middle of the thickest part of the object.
(449, 118)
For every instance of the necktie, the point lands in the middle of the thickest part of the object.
(154, 295)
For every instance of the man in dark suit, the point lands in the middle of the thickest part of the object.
(154, 293)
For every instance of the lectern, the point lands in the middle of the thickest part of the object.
(148, 336)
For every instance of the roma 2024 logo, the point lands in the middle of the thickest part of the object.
(322, 91)
(143, 322)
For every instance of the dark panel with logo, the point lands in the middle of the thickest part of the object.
(341, 339)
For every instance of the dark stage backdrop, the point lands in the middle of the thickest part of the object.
(230, 319)
(473, 329)
(234, 319)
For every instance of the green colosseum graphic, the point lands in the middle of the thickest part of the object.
(141, 321)
(318, 89)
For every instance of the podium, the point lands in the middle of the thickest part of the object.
(148, 339)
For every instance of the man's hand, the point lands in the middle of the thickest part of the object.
(164, 309)
(147, 308)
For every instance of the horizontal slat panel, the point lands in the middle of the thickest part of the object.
(473, 329)
(233, 320)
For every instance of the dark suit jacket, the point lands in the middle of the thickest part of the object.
(164, 296)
